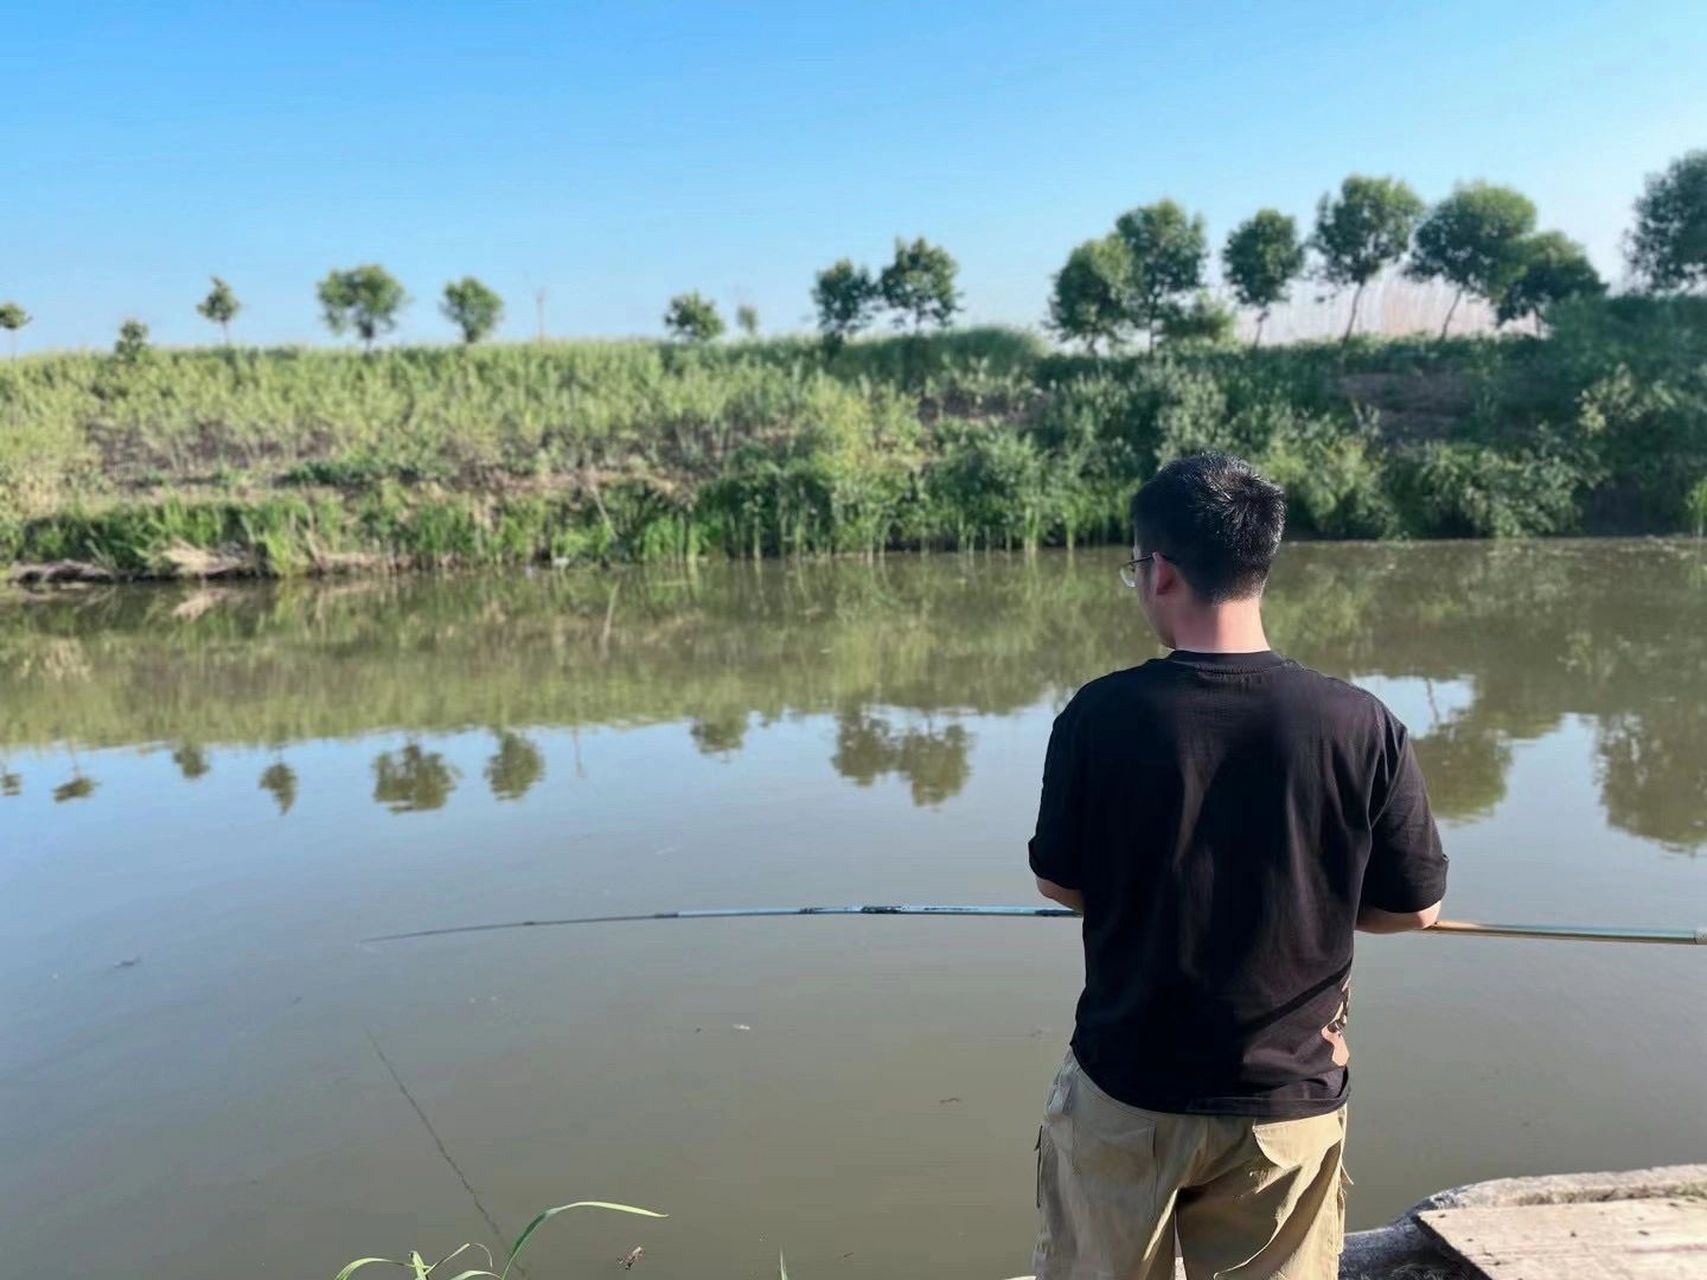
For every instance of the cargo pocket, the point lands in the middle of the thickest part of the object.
(1109, 1139)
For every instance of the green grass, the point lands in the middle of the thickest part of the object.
(423, 1270)
(298, 461)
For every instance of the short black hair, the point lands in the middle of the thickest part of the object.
(1217, 519)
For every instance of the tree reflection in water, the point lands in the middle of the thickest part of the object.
(904, 655)
(515, 767)
(279, 779)
(934, 762)
(412, 780)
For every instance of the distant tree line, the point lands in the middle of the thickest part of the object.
(1148, 276)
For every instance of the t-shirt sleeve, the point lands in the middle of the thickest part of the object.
(1407, 868)
(1055, 852)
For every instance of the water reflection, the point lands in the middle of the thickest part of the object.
(191, 761)
(279, 780)
(901, 657)
(515, 767)
(78, 788)
(934, 762)
(412, 780)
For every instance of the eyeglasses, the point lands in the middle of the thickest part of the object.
(1129, 570)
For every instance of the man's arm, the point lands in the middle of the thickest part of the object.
(1072, 899)
(1375, 920)
(1407, 868)
(1055, 849)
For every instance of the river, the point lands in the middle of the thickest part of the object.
(209, 797)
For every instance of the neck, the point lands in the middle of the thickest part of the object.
(1234, 627)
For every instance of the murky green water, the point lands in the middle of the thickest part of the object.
(210, 796)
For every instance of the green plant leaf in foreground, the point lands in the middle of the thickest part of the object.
(359, 1263)
(781, 1267)
(458, 1252)
(527, 1232)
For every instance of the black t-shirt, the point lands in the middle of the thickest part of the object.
(1224, 816)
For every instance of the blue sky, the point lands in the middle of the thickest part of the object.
(614, 154)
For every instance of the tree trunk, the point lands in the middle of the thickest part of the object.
(225, 328)
(1444, 324)
(1351, 322)
(1262, 319)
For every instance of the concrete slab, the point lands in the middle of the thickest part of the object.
(1646, 1239)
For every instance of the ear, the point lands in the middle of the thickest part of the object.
(1166, 575)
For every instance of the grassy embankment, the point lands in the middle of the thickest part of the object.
(281, 462)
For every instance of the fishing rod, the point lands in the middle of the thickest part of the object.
(1563, 933)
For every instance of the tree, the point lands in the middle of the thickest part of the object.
(1668, 246)
(133, 341)
(1089, 298)
(1550, 267)
(1205, 322)
(1364, 230)
(747, 320)
(918, 285)
(1260, 260)
(1471, 240)
(693, 318)
(845, 296)
(365, 299)
(1168, 248)
(473, 308)
(13, 318)
(221, 307)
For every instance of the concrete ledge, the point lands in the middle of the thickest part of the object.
(1401, 1250)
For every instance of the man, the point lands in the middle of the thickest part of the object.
(1224, 818)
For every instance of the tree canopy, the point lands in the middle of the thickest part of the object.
(693, 318)
(1550, 267)
(220, 306)
(747, 319)
(132, 344)
(1262, 257)
(1366, 228)
(1667, 247)
(1472, 240)
(1202, 322)
(918, 284)
(1088, 301)
(845, 296)
(366, 299)
(1168, 247)
(13, 318)
(473, 308)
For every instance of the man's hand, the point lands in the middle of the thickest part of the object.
(1072, 899)
(1375, 920)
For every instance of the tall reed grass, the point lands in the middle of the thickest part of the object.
(298, 461)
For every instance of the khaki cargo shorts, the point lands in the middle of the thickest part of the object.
(1246, 1198)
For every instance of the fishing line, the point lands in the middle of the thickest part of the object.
(444, 1152)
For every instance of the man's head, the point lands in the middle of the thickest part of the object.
(1206, 529)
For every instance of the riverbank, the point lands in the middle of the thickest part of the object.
(227, 462)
